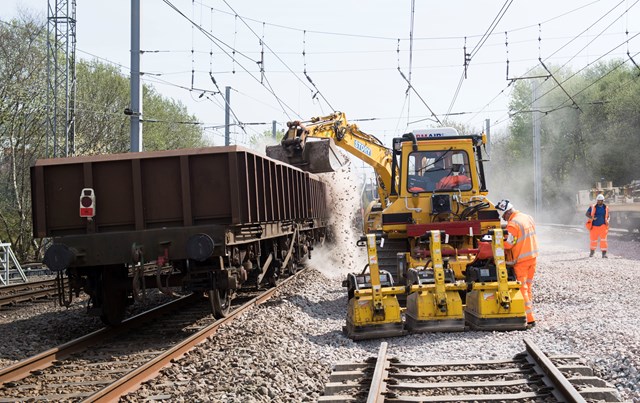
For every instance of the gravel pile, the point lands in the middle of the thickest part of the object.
(282, 351)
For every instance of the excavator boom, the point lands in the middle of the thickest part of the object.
(312, 147)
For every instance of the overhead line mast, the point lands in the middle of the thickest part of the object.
(61, 78)
(136, 88)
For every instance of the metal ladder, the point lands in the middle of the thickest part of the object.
(6, 258)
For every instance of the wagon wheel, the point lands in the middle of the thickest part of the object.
(114, 294)
(292, 267)
(220, 302)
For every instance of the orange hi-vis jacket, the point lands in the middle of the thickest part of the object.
(450, 182)
(606, 213)
(521, 241)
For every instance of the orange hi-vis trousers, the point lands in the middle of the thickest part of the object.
(599, 232)
(524, 274)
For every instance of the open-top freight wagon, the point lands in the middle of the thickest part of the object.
(210, 220)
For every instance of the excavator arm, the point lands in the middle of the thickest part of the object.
(320, 156)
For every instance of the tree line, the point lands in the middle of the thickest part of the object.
(101, 125)
(589, 131)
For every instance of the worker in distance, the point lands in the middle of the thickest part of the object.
(598, 226)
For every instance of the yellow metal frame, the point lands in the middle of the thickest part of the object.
(438, 306)
(496, 305)
(374, 307)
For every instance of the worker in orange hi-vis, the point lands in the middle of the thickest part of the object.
(521, 246)
(598, 225)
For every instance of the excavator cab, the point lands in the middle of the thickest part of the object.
(434, 170)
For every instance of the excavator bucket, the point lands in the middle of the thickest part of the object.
(316, 156)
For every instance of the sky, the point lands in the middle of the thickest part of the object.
(354, 52)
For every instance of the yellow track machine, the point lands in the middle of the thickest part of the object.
(494, 301)
(373, 310)
(434, 302)
(429, 180)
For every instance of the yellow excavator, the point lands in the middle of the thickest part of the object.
(432, 213)
(311, 146)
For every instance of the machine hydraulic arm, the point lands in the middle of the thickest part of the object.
(314, 156)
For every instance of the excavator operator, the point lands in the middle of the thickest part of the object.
(456, 180)
(428, 172)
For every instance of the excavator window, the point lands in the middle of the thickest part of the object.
(441, 170)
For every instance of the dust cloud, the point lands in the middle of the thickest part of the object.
(510, 181)
(340, 255)
(259, 144)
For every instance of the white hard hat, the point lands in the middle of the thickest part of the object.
(504, 205)
(600, 197)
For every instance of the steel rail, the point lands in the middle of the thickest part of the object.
(581, 228)
(45, 359)
(560, 382)
(132, 381)
(380, 373)
(13, 294)
(537, 378)
(24, 286)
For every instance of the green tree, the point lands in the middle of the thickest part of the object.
(101, 126)
(585, 137)
(102, 96)
(168, 125)
(22, 124)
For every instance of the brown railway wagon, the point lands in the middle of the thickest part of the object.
(139, 191)
(220, 215)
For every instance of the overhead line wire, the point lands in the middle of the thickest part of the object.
(552, 54)
(419, 96)
(587, 29)
(568, 61)
(207, 34)
(278, 57)
(491, 27)
(577, 93)
(596, 37)
(394, 38)
(580, 70)
(476, 49)
(359, 51)
(212, 38)
(592, 84)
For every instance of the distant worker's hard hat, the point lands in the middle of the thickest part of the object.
(600, 197)
(504, 205)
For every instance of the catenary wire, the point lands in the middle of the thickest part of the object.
(546, 58)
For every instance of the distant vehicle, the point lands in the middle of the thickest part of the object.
(623, 203)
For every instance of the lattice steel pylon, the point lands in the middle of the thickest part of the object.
(61, 76)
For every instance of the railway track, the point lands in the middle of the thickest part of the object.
(530, 376)
(31, 291)
(113, 361)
